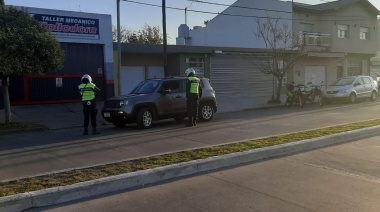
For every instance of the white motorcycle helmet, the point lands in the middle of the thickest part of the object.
(85, 78)
(189, 71)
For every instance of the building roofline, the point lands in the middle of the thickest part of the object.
(175, 49)
(333, 6)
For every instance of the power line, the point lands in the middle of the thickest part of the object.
(253, 16)
(269, 10)
(241, 7)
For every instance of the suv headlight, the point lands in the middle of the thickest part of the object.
(122, 103)
(343, 91)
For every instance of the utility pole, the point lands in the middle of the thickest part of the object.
(118, 48)
(164, 35)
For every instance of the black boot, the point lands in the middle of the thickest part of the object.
(85, 132)
(94, 131)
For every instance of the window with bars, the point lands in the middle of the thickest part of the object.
(354, 68)
(198, 65)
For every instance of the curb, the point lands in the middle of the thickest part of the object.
(139, 179)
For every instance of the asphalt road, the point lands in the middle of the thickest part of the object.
(338, 178)
(29, 154)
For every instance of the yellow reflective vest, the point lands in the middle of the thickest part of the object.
(194, 84)
(87, 91)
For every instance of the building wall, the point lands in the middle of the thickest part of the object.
(239, 30)
(74, 34)
(352, 48)
(353, 42)
(86, 39)
(327, 23)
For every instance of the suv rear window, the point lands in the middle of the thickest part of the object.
(147, 86)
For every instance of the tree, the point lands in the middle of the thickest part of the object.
(148, 35)
(26, 47)
(283, 50)
(125, 34)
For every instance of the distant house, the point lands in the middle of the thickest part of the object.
(339, 37)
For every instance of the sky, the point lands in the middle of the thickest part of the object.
(134, 14)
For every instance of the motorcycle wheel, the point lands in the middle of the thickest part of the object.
(320, 100)
(301, 102)
(288, 102)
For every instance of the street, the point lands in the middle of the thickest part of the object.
(28, 154)
(339, 178)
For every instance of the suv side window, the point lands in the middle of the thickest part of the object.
(173, 85)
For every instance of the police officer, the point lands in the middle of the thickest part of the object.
(88, 91)
(193, 94)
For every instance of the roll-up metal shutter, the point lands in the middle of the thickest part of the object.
(234, 77)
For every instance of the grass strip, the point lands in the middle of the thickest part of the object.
(21, 126)
(81, 175)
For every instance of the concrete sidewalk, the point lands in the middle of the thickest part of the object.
(70, 115)
(55, 116)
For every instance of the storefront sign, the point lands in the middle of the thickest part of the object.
(70, 27)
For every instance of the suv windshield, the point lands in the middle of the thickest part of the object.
(344, 81)
(147, 86)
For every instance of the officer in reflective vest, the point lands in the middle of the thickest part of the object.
(193, 94)
(88, 91)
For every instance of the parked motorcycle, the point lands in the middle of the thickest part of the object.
(313, 94)
(294, 95)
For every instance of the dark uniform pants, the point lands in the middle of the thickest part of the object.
(192, 108)
(89, 111)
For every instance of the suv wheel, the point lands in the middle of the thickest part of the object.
(206, 112)
(144, 118)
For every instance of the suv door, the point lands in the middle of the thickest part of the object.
(170, 102)
(182, 102)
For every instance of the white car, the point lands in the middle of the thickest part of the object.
(352, 88)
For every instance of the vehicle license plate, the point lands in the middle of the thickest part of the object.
(106, 114)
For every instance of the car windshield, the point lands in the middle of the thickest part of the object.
(147, 86)
(344, 81)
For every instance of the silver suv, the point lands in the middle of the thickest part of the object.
(352, 88)
(156, 99)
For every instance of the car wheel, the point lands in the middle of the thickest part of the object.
(373, 96)
(144, 118)
(119, 124)
(206, 112)
(352, 98)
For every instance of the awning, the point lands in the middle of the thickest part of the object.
(325, 54)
